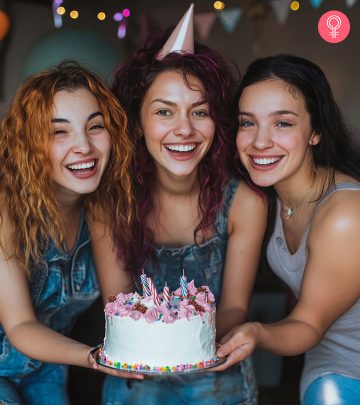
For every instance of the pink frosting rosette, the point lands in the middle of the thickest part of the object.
(120, 299)
(201, 298)
(124, 310)
(152, 314)
(110, 309)
(185, 310)
(191, 288)
(135, 315)
(168, 315)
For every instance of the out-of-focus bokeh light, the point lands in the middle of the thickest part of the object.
(101, 16)
(219, 5)
(118, 16)
(126, 12)
(294, 5)
(121, 31)
(61, 10)
(74, 14)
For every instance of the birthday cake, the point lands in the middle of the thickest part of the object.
(160, 333)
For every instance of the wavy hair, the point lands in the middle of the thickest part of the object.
(26, 185)
(132, 81)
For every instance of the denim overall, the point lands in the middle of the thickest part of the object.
(63, 288)
(204, 264)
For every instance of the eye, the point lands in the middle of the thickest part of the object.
(96, 126)
(200, 113)
(283, 124)
(245, 123)
(163, 112)
(59, 131)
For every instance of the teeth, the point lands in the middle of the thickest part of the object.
(181, 148)
(82, 166)
(266, 161)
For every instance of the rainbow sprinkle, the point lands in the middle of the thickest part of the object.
(181, 368)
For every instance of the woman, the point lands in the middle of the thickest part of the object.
(292, 139)
(191, 214)
(58, 147)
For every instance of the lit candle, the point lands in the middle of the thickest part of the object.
(166, 294)
(183, 285)
(145, 285)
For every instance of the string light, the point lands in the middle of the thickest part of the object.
(121, 31)
(61, 10)
(101, 16)
(219, 5)
(294, 5)
(74, 14)
(126, 12)
(118, 17)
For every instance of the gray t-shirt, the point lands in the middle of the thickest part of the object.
(339, 350)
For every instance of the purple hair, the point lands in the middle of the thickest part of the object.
(130, 85)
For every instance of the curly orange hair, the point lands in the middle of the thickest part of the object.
(26, 186)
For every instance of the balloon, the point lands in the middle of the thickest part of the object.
(4, 24)
(88, 48)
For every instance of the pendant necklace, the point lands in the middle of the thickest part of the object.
(288, 211)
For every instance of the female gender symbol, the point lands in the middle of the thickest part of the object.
(333, 33)
(339, 26)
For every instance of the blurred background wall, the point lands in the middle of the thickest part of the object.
(243, 30)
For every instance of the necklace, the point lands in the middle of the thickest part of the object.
(288, 211)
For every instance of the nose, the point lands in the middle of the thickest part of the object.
(183, 126)
(263, 139)
(81, 143)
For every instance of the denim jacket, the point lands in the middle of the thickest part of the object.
(61, 289)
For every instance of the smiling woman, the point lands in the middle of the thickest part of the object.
(193, 216)
(293, 139)
(61, 162)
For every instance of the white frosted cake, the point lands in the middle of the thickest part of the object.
(160, 333)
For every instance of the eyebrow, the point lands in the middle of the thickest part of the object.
(277, 112)
(171, 103)
(64, 120)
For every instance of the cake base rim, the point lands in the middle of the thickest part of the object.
(100, 358)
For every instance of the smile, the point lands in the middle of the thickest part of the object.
(181, 147)
(82, 166)
(266, 161)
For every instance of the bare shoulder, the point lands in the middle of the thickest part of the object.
(249, 198)
(338, 217)
(340, 210)
(248, 206)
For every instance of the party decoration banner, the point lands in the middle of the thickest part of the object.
(281, 9)
(350, 3)
(204, 23)
(316, 3)
(230, 17)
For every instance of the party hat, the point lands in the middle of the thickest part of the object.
(182, 38)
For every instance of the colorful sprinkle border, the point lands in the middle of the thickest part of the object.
(101, 359)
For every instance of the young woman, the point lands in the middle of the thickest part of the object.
(292, 138)
(59, 143)
(191, 214)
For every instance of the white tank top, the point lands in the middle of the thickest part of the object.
(339, 350)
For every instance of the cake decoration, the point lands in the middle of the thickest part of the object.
(167, 332)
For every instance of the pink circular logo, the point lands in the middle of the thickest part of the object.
(334, 26)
